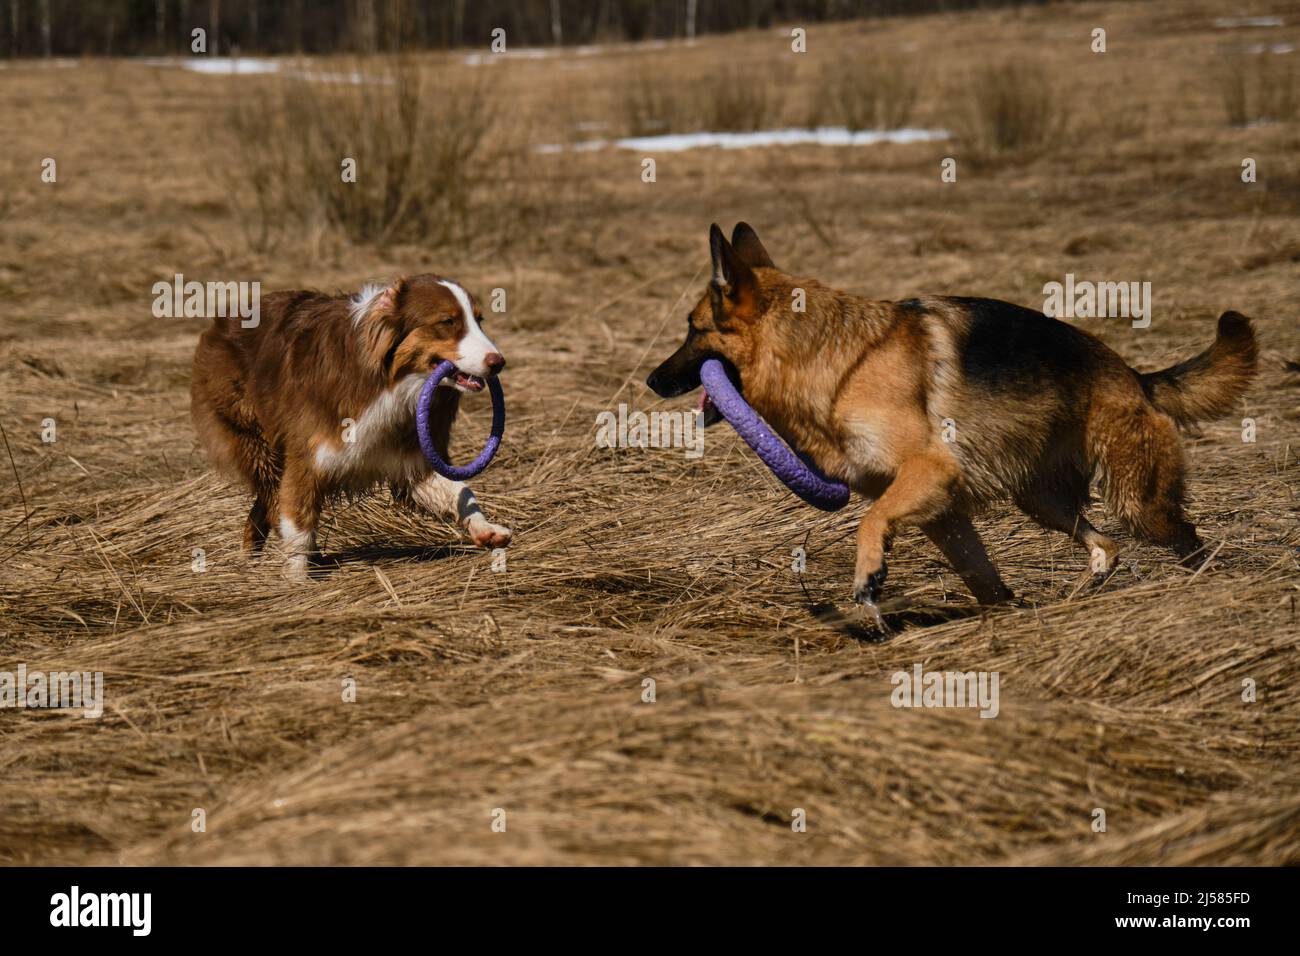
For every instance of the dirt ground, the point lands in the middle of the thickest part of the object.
(484, 695)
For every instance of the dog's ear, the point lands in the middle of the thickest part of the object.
(387, 303)
(734, 286)
(381, 325)
(717, 242)
(750, 248)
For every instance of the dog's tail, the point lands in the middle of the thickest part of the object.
(1206, 386)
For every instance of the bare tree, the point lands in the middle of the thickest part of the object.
(368, 26)
(457, 23)
(397, 25)
(365, 25)
(557, 30)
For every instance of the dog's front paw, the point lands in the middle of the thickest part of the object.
(867, 590)
(297, 568)
(485, 534)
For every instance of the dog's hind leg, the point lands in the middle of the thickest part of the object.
(242, 449)
(262, 468)
(1060, 509)
(955, 536)
(257, 527)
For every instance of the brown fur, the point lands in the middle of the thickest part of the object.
(270, 403)
(872, 390)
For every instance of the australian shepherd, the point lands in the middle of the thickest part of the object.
(319, 399)
(934, 406)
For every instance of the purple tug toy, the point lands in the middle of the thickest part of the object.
(795, 471)
(462, 472)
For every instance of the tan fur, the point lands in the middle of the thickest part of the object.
(1036, 407)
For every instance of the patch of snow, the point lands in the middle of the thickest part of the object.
(254, 66)
(588, 49)
(533, 53)
(243, 65)
(1229, 23)
(823, 136)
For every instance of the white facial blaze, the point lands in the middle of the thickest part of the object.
(475, 346)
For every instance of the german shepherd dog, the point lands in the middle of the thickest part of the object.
(1033, 407)
(319, 399)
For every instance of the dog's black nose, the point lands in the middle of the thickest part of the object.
(665, 383)
(495, 362)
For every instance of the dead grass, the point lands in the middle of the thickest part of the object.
(1011, 110)
(652, 104)
(523, 690)
(383, 150)
(740, 99)
(719, 98)
(867, 92)
(1260, 88)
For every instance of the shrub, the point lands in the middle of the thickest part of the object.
(1011, 110)
(723, 99)
(1258, 89)
(866, 92)
(419, 154)
(737, 100)
(653, 104)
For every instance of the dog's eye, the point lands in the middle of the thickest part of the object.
(446, 322)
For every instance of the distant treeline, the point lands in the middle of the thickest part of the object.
(126, 27)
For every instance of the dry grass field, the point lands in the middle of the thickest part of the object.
(521, 690)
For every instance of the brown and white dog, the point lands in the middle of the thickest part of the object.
(932, 407)
(319, 399)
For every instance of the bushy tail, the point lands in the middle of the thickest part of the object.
(1206, 386)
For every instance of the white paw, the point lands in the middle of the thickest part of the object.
(1101, 560)
(485, 534)
(295, 569)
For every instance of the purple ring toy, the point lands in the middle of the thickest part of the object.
(795, 471)
(455, 472)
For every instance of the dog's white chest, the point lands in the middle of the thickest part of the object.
(374, 445)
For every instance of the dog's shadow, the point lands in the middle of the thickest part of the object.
(894, 619)
(373, 553)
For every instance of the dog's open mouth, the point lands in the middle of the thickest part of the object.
(468, 383)
(711, 413)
